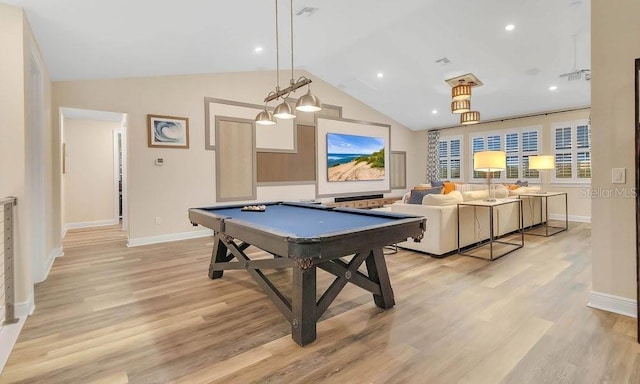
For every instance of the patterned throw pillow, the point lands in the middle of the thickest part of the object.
(417, 194)
(437, 183)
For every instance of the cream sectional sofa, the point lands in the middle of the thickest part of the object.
(441, 213)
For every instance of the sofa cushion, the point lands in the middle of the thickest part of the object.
(470, 187)
(475, 195)
(436, 200)
(417, 194)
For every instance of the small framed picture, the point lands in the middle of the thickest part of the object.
(168, 131)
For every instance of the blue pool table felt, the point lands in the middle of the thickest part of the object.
(302, 221)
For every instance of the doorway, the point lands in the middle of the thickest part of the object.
(94, 182)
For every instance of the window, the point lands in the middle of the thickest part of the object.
(478, 145)
(518, 145)
(572, 150)
(450, 158)
(530, 147)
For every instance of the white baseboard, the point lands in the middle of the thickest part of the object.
(25, 308)
(86, 224)
(170, 237)
(55, 253)
(8, 336)
(576, 218)
(615, 304)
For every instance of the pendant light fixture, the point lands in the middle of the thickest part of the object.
(471, 117)
(460, 106)
(306, 103)
(461, 91)
(265, 117)
(461, 98)
(284, 110)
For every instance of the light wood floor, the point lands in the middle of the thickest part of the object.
(112, 314)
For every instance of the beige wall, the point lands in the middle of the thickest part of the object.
(577, 195)
(615, 44)
(187, 178)
(18, 48)
(89, 193)
(12, 138)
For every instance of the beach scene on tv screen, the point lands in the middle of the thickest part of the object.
(354, 158)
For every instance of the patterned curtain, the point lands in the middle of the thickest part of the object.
(433, 137)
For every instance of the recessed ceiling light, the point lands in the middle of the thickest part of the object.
(510, 27)
(380, 75)
(257, 49)
(435, 111)
(553, 87)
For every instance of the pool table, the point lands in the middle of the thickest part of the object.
(305, 237)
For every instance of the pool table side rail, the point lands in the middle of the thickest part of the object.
(329, 246)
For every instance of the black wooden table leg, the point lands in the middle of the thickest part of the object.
(377, 268)
(218, 255)
(303, 303)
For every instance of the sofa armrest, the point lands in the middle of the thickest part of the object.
(439, 236)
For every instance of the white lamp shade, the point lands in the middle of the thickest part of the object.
(488, 161)
(542, 162)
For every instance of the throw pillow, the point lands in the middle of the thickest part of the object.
(437, 183)
(451, 198)
(417, 194)
(423, 186)
(448, 187)
(522, 183)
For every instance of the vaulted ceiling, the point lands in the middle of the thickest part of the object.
(345, 43)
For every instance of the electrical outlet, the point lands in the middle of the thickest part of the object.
(158, 220)
(159, 161)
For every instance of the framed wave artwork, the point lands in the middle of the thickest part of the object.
(168, 131)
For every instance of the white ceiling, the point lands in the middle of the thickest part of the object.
(345, 43)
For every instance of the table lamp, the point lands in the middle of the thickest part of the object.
(542, 163)
(489, 161)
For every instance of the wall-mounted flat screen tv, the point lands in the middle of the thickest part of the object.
(354, 158)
